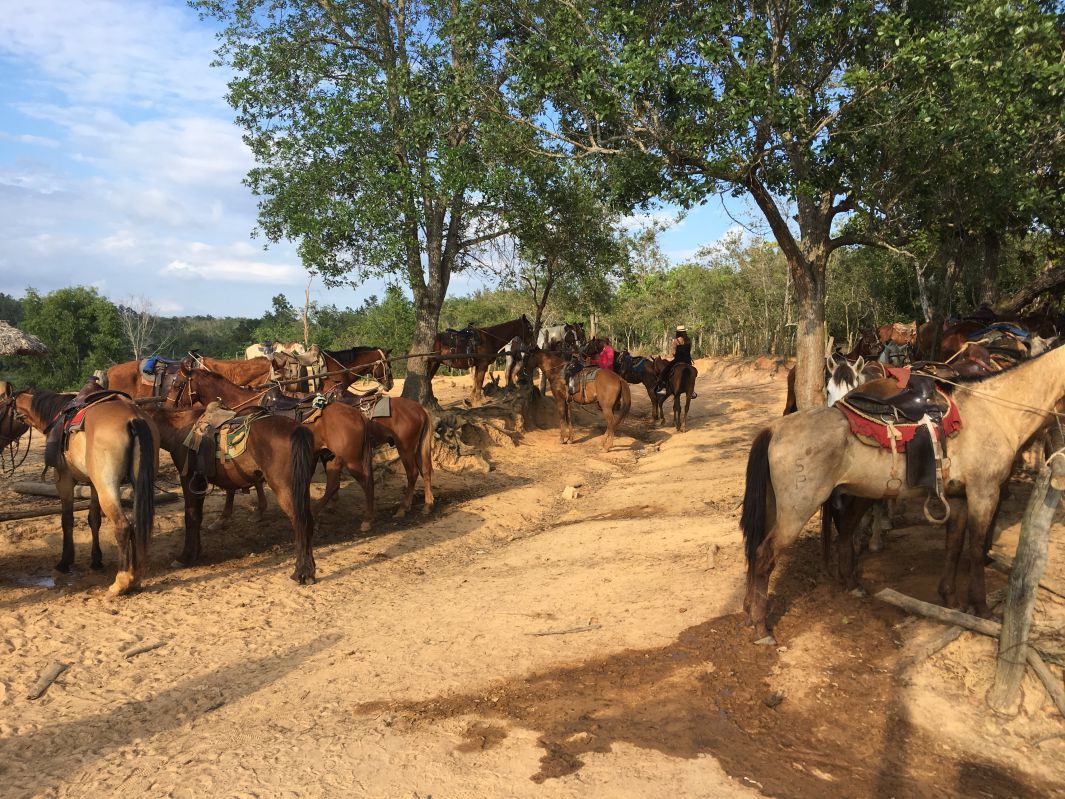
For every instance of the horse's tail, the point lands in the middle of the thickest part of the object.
(687, 372)
(755, 495)
(303, 465)
(142, 476)
(425, 447)
(624, 402)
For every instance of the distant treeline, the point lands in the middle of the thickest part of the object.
(737, 299)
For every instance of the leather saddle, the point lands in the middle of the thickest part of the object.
(884, 398)
(159, 373)
(299, 409)
(71, 419)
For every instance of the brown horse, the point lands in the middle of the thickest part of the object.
(280, 451)
(796, 462)
(681, 380)
(637, 369)
(339, 429)
(359, 361)
(128, 378)
(117, 443)
(606, 389)
(479, 354)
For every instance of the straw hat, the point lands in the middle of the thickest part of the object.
(682, 329)
(14, 342)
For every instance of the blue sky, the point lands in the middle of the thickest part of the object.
(120, 166)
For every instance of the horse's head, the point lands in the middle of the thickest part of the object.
(382, 370)
(12, 424)
(844, 377)
(578, 331)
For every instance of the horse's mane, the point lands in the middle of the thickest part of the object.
(843, 371)
(337, 354)
(46, 405)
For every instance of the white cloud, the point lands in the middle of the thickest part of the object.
(223, 269)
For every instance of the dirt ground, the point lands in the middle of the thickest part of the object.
(512, 644)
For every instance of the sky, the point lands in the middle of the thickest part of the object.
(121, 168)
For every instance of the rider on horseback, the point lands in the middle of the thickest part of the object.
(682, 353)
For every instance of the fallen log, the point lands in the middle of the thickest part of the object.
(976, 624)
(1004, 563)
(37, 489)
(35, 513)
(48, 676)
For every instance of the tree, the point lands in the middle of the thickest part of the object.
(83, 332)
(373, 145)
(770, 100)
(139, 323)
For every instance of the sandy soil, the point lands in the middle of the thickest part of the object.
(514, 643)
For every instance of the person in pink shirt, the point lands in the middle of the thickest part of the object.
(605, 358)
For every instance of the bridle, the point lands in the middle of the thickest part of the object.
(10, 416)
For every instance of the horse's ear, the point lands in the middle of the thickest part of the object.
(859, 365)
(388, 352)
(829, 365)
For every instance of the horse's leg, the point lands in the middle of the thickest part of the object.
(410, 468)
(684, 418)
(955, 536)
(847, 521)
(227, 511)
(260, 499)
(365, 479)
(981, 513)
(111, 505)
(608, 414)
(193, 523)
(881, 524)
(333, 469)
(676, 411)
(95, 517)
(65, 486)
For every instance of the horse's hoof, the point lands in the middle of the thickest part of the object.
(427, 509)
(364, 527)
(303, 578)
(123, 584)
(97, 566)
(216, 526)
(858, 591)
(768, 640)
(62, 567)
(400, 513)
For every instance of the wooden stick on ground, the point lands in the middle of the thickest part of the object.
(48, 676)
(10, 516)
(570, 630)
(1050, 682)
(1004, 563)
(142, 648)
(1028, 567)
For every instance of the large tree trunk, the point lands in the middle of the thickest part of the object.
(992, 260)
(416, 385)
(809, 280)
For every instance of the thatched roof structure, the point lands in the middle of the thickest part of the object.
(14, 342)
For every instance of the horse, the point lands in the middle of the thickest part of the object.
(478, 353)
(360, 362)
(129, 378)
(117, 442)
(606, 389)
(339, 429)
(681, 380)
(796, 463)
(560, 337)
(637, 370)
(279, 451)
(268, 348)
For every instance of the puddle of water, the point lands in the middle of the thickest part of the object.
(29, 580)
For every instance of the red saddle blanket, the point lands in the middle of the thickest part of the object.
(868, 427)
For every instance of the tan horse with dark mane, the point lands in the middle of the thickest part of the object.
(117, 444)
(799, 459)
(606, 389)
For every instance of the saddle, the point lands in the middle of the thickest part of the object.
(218, 435)
(302, 410)
(581, 380)
(373, 404)
(71, 419)
(465, 340)
(159, 372)
(902, 413)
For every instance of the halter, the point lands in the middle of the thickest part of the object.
(13, 446)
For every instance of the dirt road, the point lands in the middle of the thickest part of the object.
(512, 644)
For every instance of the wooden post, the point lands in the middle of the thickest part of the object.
(1028, 566)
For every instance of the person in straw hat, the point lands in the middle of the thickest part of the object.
(682, 353)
